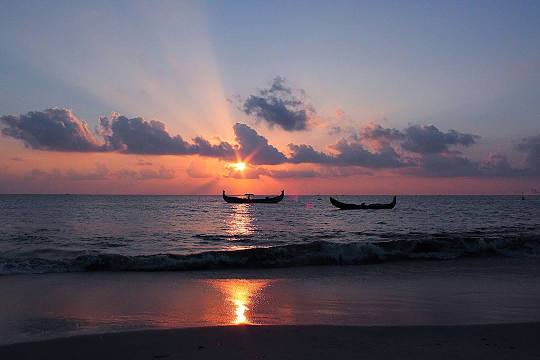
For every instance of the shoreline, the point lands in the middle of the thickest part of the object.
(459, 292)
(495, 341)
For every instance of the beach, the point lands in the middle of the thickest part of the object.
(508, 341)
(467, 308)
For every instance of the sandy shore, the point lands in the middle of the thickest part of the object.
(505, 341)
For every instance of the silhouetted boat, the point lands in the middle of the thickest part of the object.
(249, 200)
(345, 206)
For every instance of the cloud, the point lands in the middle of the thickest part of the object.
(449, 164)
(377, 132)
(198, 170)
(439, 165)
(60, 130)
(306, 154)
(354, 153)
(430, 148)
(255, 148)
(139, 136)
(223, 150)
(52, 129)
(348, 153)
(280, 105)
(288, 174)
(334, 130)
(420, 139)
(530, 146)
(100, 173)
(254, 172)
(497, 165)
(251, 172)
(162, 173)
(428, 139)
(423, 150)
(142, 162)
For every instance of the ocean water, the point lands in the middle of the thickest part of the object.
(75, 233)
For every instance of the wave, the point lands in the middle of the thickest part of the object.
(434, 247)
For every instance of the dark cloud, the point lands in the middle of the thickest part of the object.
(434, 156)
(223, 150)
(440, 165)
(255, 148)
(377, 132)
(420, 139)
(51, 129)
(497, 165)
(60, 130)
(423, 150)
(306, 154)
(139, 136)
(530, 146)
(348, 153)
(354, 153)
(428, 139)
(334, 130)
(280, 105)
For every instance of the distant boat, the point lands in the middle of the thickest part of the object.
(345, 206)
(522, 196)
(249, 200)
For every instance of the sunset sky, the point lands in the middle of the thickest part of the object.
(330, 97)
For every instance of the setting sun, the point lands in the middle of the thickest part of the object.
(239, 166)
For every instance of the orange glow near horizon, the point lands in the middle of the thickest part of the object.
(241, 295)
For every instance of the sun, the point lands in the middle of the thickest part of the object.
(239, 166)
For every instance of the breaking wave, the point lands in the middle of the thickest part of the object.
(433, 247)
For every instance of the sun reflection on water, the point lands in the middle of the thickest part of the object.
(240, 222)
(241, 295)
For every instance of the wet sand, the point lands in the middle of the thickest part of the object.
(506, 341)
(464, 292)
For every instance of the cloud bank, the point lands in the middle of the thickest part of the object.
(421, 150)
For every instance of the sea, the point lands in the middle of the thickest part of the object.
(78, 233)
(83, 264)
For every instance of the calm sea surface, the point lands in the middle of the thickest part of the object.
(51, 233)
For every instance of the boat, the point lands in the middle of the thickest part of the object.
(345, 206)
(248, 199)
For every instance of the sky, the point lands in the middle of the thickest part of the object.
(314, 97)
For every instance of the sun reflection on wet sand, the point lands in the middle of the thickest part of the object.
(241, 295)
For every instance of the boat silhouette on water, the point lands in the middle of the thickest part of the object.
(249, 200)
(345, 206)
